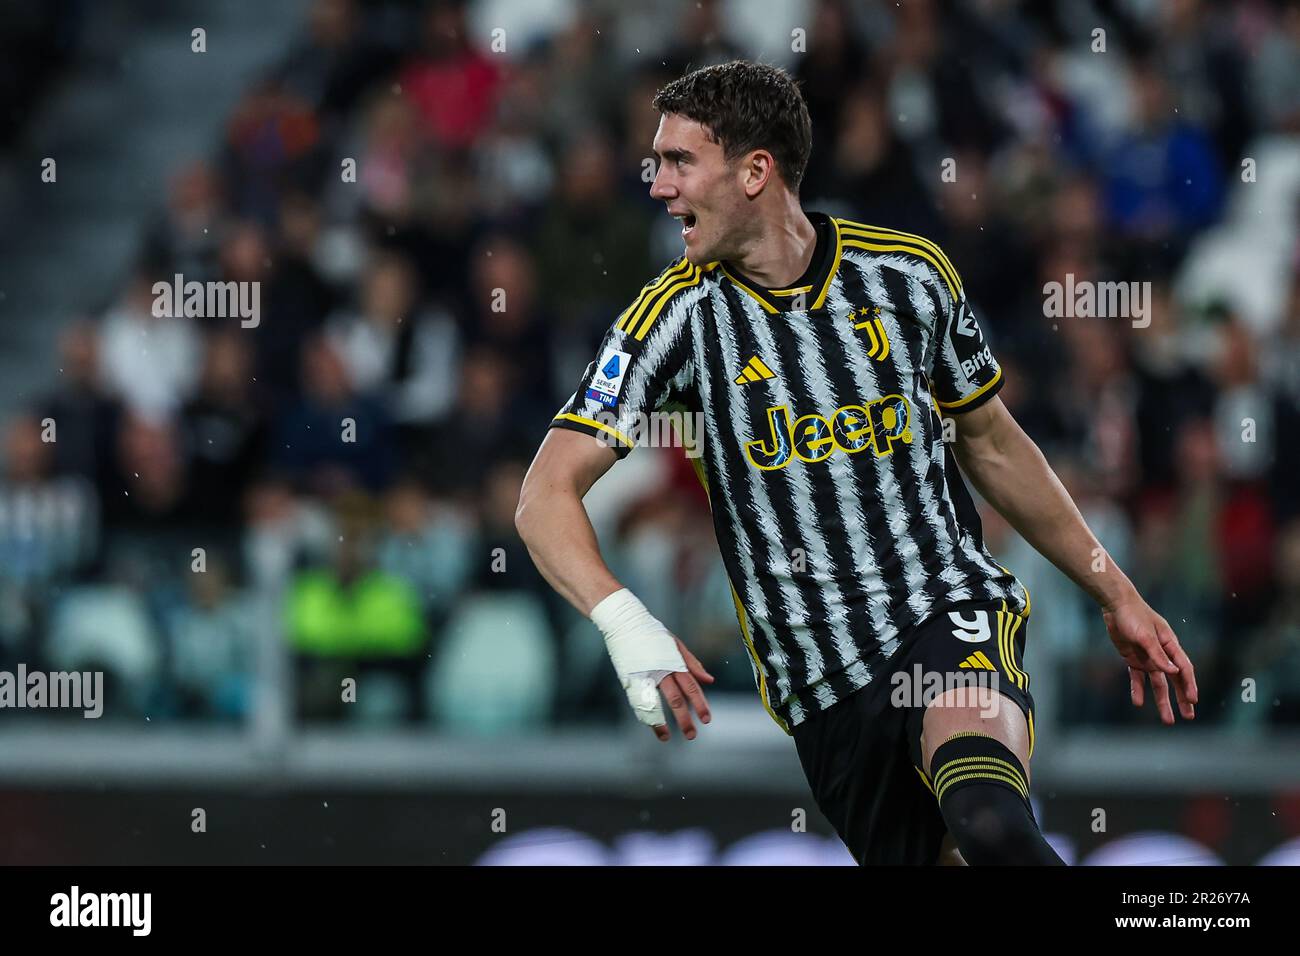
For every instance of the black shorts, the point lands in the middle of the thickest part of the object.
(862, 756)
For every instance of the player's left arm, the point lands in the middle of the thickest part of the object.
(1011, 473)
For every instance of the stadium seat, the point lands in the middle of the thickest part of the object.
(495, 670)
(108, 628)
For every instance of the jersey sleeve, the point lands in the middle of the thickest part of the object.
(645, 362)
(964, 374)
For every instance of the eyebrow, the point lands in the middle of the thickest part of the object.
(675, 154)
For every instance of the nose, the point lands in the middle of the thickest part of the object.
(662, 187)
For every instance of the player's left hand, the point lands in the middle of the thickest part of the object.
(1149, 646)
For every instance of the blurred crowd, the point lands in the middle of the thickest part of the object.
(442, 231)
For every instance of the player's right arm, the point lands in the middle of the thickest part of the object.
(553, 523)
(555, 527)
(644, 359)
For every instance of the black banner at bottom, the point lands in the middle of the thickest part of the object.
(337, 905)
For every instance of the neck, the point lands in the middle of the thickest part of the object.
(781, 253)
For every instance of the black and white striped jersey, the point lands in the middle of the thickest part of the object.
(839, 510)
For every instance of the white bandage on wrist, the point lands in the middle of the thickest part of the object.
(642, 649)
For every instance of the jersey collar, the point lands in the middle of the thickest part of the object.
(814, 284)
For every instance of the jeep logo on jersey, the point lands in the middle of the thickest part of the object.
(608, 382)
(850, 429)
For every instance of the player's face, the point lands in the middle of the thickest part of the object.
(701, 189)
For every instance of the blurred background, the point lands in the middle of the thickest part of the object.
(180, 509)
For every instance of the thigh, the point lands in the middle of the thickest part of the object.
(971, 657)
(858, 764)
(949, 717)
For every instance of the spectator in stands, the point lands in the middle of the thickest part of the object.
(837, 61)
(212, 640)
(430, 544)
(873, 169)
(188, 234)
(148, 491)
(392, 149)
(273, 139)
(394, 349)
(334, 438)
(351, 619)
(82, 412)
(225, 432)
(1163, 181)
(507, 318)
(453, 457)
(149, 361)
(452, 82)
(337, 60)
(49, 523)
(591, 249)
(296, 298)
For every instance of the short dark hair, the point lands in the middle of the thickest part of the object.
(746, 106)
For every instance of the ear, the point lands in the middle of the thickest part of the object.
(757, 169)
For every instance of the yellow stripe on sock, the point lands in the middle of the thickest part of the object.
(964, 764)
(941, 789)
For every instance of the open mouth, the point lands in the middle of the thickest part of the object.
(688, 223)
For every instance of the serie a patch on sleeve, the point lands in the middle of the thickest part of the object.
(608, 380)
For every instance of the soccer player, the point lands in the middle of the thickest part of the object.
(828, 357)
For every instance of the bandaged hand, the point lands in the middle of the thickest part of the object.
(644, 652)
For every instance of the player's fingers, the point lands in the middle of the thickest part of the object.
(1185, 690)
(697, 670)
(1137, 686)
(693, 663)
(1155, 654)
(1185, 681)
(661, 731)
(695, 694)
(677, 703)
(1168, 640)
(1145, 654)
(1160, 691)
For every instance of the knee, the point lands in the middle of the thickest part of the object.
(991, 825)
(983, 796)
